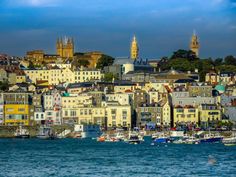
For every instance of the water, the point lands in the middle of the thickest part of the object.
(73, 157)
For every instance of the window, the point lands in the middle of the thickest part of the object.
(113, 111)
(21, 109)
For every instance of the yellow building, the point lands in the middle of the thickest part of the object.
(91, 57)
(54, 76)
(65, 48)
(118, 115)
(186, 114)
(194, 44)
(134, 49)
(209, 112)
(35, 56)
(18, 109)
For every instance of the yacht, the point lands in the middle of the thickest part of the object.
(21, 133)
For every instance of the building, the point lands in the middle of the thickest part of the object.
(194, 44)
(209, 113)
(149, 115)
(91, 57)
(1, 109)
(134, 49)
(18, 108)
(200, 89)
(65, 48)
(183, 115)
(55, 76)
(118, 115)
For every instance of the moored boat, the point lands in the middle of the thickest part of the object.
(21, 133)
(231, 141)
(134, 138)
(210, 138)
(46, 133)
(161, 138)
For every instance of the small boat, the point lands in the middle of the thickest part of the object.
(210, 138)
(191, 140)
(46, 133)
(87, 131)
(102, 138)
(134, 138)
(231, 141)
(21, 133)
(161, 138)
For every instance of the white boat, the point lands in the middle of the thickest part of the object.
(231, 141)
(191, 140)
(46, 133)
(21, 133)
(134, 138)
(87, 131)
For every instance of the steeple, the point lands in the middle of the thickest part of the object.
(134, 49)
(194, 44)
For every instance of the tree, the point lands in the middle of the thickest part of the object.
(84, 63)
(108, 77)
(218, 61)
(187, 54)
(230, 60)
(105, 60)
(4, 85)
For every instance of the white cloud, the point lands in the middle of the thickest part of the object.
(33, 3)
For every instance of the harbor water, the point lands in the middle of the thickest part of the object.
(75, 157)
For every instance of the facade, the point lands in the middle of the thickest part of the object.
(209, 113)
(1, 109)
(185, 115)
(200, 89)
(149, 114)
(18, 109)
(57, 76)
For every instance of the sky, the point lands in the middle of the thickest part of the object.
(161, 26)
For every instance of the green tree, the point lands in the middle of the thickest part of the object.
(4, 86)
(84, 63)
(218, 61)
(230, 60)
(105, 60)
(188, 54)
(108, 77)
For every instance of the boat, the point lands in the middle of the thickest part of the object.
(210, 138)
(191, 140)
(21, 133)
(230, 141)
(134, 138)
(87, 131)
(102, 138)
(46, 132)
(161, 138)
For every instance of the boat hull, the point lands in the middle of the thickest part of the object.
(211, 140)
(161, 140)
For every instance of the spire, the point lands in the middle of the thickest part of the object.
(134, 49)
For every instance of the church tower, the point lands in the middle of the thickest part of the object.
(134, 50)
(65, 48)
(194, 44)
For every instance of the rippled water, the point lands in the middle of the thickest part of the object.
(73, 157)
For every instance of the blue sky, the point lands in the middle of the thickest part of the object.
(161, 26)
